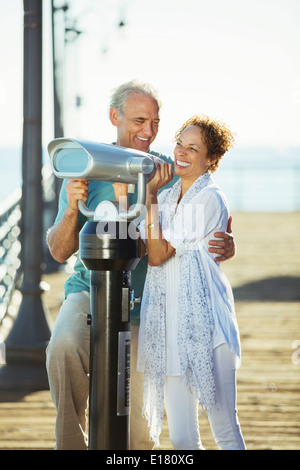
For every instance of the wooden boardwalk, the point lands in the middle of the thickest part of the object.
(266, 279)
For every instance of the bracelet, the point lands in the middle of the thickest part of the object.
(156, 221)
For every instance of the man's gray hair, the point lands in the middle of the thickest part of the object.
(121, 94)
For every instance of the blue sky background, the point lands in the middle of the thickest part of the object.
(235, 60)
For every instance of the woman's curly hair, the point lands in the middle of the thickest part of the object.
(218, 138)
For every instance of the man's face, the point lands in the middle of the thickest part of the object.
(139, 126)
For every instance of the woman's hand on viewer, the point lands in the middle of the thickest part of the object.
(225, 247)
(163, 175)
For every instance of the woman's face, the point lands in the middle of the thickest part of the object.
(191, 154)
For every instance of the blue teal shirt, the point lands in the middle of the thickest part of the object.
(103, 191)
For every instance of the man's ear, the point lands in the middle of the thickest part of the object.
(114, 116)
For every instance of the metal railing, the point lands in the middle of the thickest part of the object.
(10, 250)
(10, 242)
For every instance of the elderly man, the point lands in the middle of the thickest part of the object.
(134, 111)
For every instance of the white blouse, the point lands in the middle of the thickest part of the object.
(191, 228)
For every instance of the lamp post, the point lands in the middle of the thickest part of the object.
(28, 338)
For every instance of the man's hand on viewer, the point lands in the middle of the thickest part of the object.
(77, 189)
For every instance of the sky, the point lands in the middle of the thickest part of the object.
(234, 60)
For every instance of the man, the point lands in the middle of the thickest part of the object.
(134, 111)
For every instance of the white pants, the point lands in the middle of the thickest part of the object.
(182, 408)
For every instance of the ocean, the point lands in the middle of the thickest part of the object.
(253, 179)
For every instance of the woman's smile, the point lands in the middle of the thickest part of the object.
(182, 163)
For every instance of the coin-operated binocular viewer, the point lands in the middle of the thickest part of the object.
(110, 253)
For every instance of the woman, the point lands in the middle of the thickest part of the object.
(189, 341)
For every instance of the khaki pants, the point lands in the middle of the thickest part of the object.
(68, 368)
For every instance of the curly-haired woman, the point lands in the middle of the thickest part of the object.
(189, 345)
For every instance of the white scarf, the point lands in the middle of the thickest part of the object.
(195, 321)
